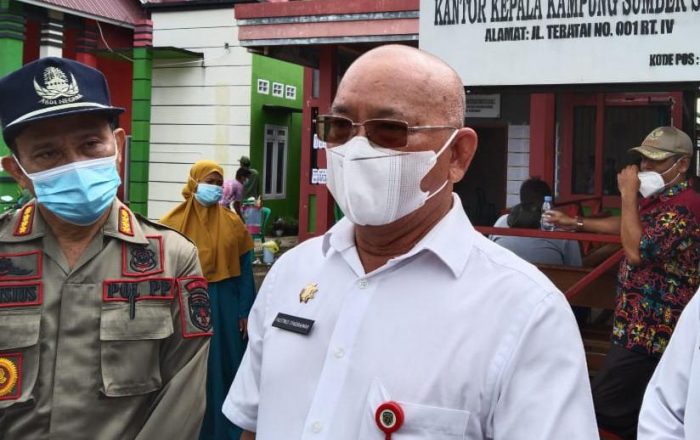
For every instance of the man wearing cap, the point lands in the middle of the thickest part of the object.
(251, 187)
(104, 316)
(658, 275)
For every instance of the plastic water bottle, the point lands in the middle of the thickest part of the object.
(546, 206)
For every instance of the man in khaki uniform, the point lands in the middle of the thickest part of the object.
(104, 316)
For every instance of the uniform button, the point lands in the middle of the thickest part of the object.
(339, 353)
(363, 284)
(316, 427)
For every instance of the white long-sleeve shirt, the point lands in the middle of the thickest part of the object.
(473, 342)
(674, 389)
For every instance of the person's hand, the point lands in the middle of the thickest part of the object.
(560, 220)
(628, 181)
(243, 327)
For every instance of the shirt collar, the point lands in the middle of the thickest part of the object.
(28, 224)
(450, 240)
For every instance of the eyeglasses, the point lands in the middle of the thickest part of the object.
(388, 133)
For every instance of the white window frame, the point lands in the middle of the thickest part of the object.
(276, 139)
(290, 92)
(263, 86)
(277, 89)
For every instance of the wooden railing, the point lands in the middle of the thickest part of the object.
(587, 286)
(577, 283)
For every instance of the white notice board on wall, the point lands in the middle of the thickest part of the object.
(537, 42)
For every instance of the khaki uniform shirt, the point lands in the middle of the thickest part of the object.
(115, 347)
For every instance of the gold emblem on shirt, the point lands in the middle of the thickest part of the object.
(125, 226)
(8, 376)
(308, 293)
(26, 218)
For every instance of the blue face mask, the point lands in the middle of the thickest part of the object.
(78, 192)
(208, 194)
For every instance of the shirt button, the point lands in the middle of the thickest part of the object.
(339, 353)
(316, 427)
(363, 284)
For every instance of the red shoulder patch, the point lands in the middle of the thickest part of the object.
(195, 309)
(25, 220)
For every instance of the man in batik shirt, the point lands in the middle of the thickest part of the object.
(658, 276)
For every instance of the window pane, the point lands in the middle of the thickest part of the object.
(269, 147)
(625, 128)
(280, 167)
(583, 169)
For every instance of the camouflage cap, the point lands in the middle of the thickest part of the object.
(665, 142)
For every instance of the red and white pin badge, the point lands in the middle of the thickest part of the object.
(389, 418)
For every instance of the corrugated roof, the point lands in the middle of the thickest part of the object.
(127, 12)
(192, 3)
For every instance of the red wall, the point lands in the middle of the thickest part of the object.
(31, 41)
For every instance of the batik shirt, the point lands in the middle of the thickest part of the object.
(652, 294)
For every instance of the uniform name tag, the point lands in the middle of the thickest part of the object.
(293, 323)
(20, 294)
(132, 289)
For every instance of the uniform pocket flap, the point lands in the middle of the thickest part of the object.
(151, 321)
(420, 421)
(445, 421)
(19, 330)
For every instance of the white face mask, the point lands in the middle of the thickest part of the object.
(651, 182)
(375, 185)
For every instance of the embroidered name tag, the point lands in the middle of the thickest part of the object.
(141, 260)
(293, 323)
(20, 266)
(137, 290)
(20, 294)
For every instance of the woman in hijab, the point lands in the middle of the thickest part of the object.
(225, 253)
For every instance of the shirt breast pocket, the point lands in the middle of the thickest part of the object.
(19, 355)
(420, 421)
(130, 348)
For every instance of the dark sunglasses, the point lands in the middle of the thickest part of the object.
(388, 133)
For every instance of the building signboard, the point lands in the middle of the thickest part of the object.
(544, 42)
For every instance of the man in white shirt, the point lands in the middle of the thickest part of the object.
(402, 303)
(672, 399)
